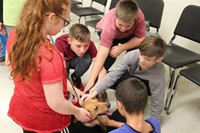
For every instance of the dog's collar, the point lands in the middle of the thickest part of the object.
(90, 121)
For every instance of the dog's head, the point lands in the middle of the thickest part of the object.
(95, 108)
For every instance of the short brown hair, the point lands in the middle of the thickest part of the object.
(79, 32)
(127, 11)
(132, 93)
(153, 46)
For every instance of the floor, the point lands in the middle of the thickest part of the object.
(184, 116)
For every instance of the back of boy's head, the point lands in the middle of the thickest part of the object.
(153, 46)
(127, 11)
(132, 93)
(79, 32)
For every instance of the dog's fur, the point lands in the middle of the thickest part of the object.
(95, 108)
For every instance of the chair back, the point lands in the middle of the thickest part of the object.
(153, 11)
(113, 4)
(188, 25)
(102, 2)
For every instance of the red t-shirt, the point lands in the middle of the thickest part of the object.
(110, 32)
(63, 46)
(28, 106)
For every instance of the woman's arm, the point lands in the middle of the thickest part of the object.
(57, 102)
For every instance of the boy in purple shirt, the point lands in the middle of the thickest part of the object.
(131, 99)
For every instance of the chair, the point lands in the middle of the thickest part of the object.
(76, 2)
(176, 56)
(191, 74)
(89, 11)
(92, 23)
(153, 10)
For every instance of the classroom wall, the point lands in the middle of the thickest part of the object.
(171, 14)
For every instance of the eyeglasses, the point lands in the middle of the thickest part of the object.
(66, 21)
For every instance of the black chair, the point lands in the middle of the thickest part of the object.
(92, 23)
(76, 2)
(89, 11)
(176, 56)
(191, 74)
(153, 11)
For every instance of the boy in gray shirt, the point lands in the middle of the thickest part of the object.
(143, 63)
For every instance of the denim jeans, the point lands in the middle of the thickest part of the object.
(79, 64)
(3, 41)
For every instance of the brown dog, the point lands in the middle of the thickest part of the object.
(96, 107)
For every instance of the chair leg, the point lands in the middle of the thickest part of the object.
(79, 20)
(173, 93)
(172, 76)
(170, 70)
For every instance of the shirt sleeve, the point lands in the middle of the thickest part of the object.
(157, 94)
(140, 30)
(60, 42)
(92, 50)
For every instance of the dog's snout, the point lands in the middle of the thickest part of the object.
(108, 104)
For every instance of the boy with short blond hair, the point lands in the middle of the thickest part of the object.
(123, 25)
(127, 11)
(79, 51)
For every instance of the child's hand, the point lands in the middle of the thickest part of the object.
(115, 51)
(79, 92)
(87, 96)
(103, 119)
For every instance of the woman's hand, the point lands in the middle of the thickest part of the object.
(83, 115)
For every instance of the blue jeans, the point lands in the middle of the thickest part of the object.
(3, 41)
(79, 64)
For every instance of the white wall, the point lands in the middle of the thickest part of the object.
(171, 14)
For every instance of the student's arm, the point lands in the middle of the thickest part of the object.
(108, 122)
(97, 66)
(110, 78)
(102, 73)
(133, 43)
(56, 101)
